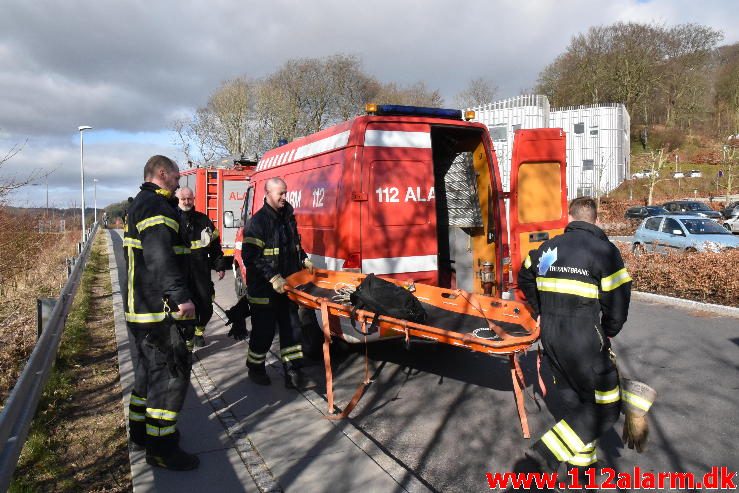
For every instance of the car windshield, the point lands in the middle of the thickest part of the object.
(704, 227)
(657, 210)
(698, 206)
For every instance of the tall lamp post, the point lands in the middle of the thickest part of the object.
(82, 128)
(95, 197)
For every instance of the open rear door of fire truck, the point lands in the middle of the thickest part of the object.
(538, 197)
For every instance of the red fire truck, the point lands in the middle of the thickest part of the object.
(415, 193)
(219, 192)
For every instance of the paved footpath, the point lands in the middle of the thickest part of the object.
(252, 438)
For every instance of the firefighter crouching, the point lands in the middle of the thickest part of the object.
(271, 251)
(577, 284)
(160, 315)
(205, 254)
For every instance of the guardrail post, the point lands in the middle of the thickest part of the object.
(44, 307)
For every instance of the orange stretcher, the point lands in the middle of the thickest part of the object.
(479, 323)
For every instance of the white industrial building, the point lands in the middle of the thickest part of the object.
(598, 147)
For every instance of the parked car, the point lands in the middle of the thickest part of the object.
(732, 224)
(682, 233)
(678, 174)
(692, 206)
(695, 173)
(645, 173)
(730, 210)
(640, 212)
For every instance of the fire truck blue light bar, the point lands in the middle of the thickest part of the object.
(396, 109)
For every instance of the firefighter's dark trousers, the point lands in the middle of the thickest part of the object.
(162, 367)
(587, 381)
(203, 298)
(279, 313)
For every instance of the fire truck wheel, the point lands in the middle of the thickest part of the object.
(239, 285)
(312, 334)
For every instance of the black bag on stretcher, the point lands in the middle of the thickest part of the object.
(384, 298)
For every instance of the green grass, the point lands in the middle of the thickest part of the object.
(39, 466)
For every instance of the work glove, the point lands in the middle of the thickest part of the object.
(637, 398)
(278, 283)
(308, 265)
(636, 432)
(236, 317)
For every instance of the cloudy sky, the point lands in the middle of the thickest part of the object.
(129, 68)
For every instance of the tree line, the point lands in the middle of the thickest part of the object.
(675, 76)
(245, 116)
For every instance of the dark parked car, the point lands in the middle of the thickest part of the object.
(730, 210)
(640, 212)
(692, 207)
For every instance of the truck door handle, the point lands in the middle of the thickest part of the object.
(539, 236)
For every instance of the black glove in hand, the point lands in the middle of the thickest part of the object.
(238, 330)
(237, 315)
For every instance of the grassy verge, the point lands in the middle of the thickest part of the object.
(77, 443)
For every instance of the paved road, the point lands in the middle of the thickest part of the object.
(438, 418)
(448, 416)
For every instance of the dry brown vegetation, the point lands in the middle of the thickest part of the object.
(708, 277)
(32, 265)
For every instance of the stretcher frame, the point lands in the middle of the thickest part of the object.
(490, 308)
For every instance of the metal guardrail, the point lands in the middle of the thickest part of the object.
(20, 407)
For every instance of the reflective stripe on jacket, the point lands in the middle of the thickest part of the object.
(271, 246)
(578, 274)
(156, 256)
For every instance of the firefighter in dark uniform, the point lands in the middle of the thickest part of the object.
(160, 314)
(578, 286)
(205, 254)
(271, 251)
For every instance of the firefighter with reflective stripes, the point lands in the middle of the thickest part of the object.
(160, 315)
(205, 254)
(271, 251)
(578, 286)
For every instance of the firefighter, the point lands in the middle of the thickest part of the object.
(271, 252)
(160, 314)
(578, 286)
(205, 254)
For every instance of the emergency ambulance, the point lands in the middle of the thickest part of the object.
(415, 194)
(219, 193)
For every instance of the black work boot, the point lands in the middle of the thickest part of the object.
(259, 376)
(198, 341)
(295, 378)
(176, 460)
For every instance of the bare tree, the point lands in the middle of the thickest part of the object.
(223, 126)
(655, 162)
(414, 95)
(730, 165)
(9, 183)
(479, 91)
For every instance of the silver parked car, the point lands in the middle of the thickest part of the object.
(682, 233)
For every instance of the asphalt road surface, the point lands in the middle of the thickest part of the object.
(448, 415)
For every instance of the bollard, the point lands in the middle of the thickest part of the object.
(44, 307)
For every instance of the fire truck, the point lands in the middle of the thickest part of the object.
(219, 192)
(415, 194)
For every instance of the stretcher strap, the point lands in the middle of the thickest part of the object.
(518, 384)
(538, 372)
(493, 327)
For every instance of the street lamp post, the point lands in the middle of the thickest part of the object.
(82, 128)
(95, 197)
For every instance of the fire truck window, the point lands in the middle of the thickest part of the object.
(539, 192)
(248, 201)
